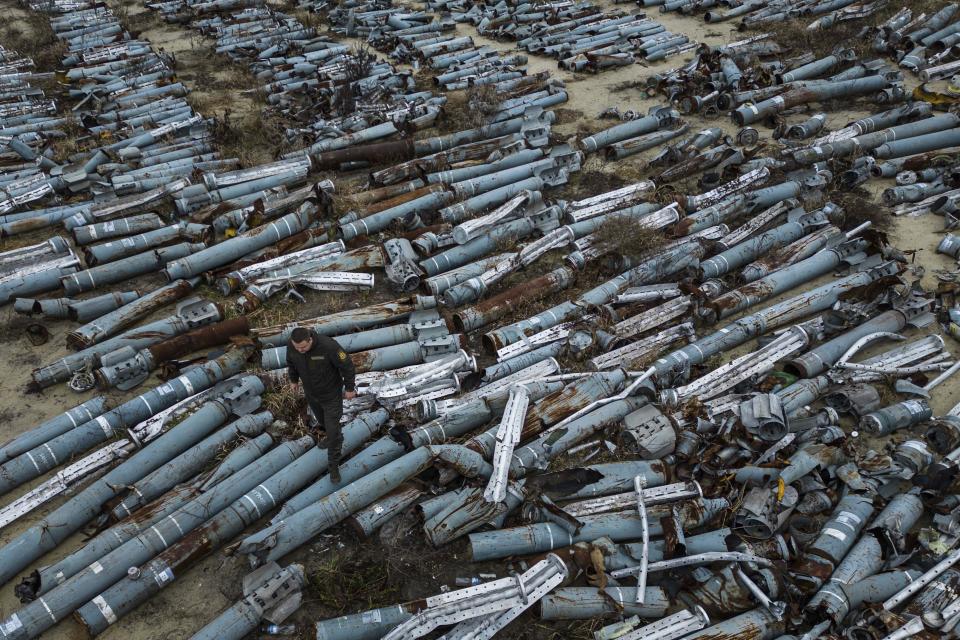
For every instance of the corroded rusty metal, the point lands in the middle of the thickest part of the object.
(495, 307)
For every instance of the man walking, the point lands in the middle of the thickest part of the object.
(327, 374)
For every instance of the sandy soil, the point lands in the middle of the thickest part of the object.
(213, 584)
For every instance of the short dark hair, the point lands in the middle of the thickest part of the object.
(300, 334)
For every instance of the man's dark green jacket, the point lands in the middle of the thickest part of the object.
(325, 370)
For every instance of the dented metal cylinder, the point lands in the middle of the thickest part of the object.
(369, 625)
(741, 254)
(286, 535)
(116, 249)
(460, 255)
(160, 572)
(190, 462)
(783, 280)
(189, 315)
(93, 308)
(758, 624)
(551, 443)
(581, 603)
(866, 557)
(748, 114)
(116, 228)
(497, 306)
(387, 449)
(343, 322)
(277, 590)
(777, 315)
(821, 358)
(896, 416)
(629, 129)
(546, 536)
(225, 252)
(65, 598)
(837, 536)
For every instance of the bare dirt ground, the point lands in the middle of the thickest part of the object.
(347, 575)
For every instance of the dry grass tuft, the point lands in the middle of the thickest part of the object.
(138, 20)
(859, 206)
(345, 199)
(33, 38)
(252, 138)
(467, 109)
(348, 584)
(288, 404)
(590, 181)
(923, 6)
(276, 312)
(793, 36)
(227, 303)
(423, 81)
(307, 18)
(568, 116)
(629, 238)
(630, 85)
(71, 143)
(230, 93)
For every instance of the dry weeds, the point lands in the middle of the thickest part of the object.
(252, 138)
(287, 404)
(568, 116)
(75, 140)
(591, 180)
(275, 312)
(858, 207)
(629, 238)
(467, 109)
(32, 37)
(345, 584)
(308, 19)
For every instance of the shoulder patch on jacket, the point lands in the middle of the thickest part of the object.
(342, 355)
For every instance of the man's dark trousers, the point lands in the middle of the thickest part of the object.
(328, 411)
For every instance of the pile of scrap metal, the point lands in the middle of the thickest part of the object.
(582, 36)
(142, 146)
(922, 43)
(757, 444)
(762, 13)
(750, 77)
(326, 92)
(750, 80)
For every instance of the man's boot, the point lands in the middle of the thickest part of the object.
(335, 472)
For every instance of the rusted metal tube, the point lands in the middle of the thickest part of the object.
(381, 153)
(131, 371)
(748, 114)
(786, 279)
(109, 324)
(401, 198)
(494, 308)
(93, 308)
